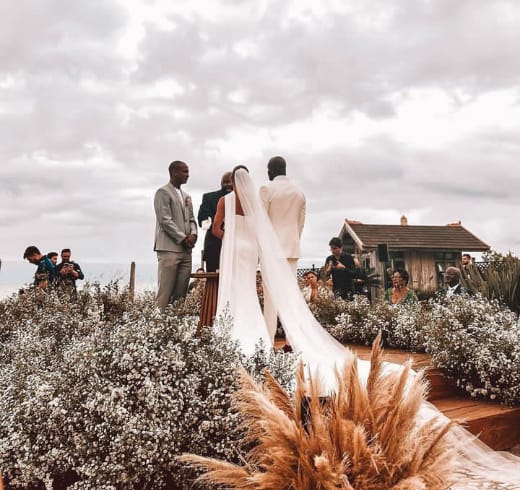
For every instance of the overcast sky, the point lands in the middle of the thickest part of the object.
(380, 107)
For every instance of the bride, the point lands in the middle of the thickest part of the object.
(248, 237)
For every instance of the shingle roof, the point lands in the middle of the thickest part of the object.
(449, 237)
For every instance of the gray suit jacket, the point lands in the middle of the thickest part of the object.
(174, 219)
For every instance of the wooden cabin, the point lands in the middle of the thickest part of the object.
(424, 251)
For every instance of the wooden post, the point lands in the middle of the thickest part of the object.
(131, 286)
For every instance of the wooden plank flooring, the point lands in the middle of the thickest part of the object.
(496, 425)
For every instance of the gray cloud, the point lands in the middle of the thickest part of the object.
(87, 129)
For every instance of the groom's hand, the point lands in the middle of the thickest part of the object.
(189, 241)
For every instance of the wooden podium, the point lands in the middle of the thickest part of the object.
(209, 298)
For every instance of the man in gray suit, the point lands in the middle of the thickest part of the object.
(175, 235)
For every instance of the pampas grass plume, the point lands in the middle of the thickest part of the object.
(363, 437)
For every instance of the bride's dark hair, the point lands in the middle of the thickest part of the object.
(238, 167)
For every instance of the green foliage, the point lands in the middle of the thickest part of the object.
(502, 279)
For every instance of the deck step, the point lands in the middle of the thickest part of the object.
(496, 425)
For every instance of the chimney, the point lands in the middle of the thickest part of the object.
(404, 220)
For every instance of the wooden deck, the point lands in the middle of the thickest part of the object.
(496, 425)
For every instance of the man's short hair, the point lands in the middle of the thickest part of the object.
(225, 177)
(277, 165)
(30, 251)
(175, 165)
(335, 242)
(52, 254)
(467, 255)
(66, 251)
(455, 270)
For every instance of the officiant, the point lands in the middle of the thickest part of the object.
(207, 210)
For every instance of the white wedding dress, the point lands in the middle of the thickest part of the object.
(251, 237)
(239, 299)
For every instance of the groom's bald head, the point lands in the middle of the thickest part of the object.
(276, 166)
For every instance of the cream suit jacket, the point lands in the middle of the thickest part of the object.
(284, 202)
(174, 219)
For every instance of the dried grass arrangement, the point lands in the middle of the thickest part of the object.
(360, 438)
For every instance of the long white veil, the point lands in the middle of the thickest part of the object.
(479, 466)
(304, 333)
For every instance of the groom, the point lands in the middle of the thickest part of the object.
(175, 235)
(284, 202)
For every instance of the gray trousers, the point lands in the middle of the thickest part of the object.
(173, 276)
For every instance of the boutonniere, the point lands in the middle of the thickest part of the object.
(187, 201)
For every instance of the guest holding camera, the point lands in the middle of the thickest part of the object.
(68, 272)
(340, 266)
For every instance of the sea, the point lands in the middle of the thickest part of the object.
(16, 275)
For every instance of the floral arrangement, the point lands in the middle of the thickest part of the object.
(475, 341)
(400, 326)
(106, 392)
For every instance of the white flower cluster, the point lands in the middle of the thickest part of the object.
(361, 322)
(105, 393)
(476, 341)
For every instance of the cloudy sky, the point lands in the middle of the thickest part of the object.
(381, 107)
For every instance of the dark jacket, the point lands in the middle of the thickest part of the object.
(212, 244)
(458, 291)
(342, 278)
(45, 272)
(68, 279)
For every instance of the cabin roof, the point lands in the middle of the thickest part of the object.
(449, 237)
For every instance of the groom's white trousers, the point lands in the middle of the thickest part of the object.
(270, 313)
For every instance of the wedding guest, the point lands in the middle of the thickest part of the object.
(453, 284)
(67, 273)
(340, 266)
(284, 203)
(470, 275)
(328, 284)
(54, 257)
(45, 270)
(205, 217)
(400, 292)
(175, 236)
(313, 289)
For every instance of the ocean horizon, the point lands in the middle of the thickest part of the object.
(16, 275)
